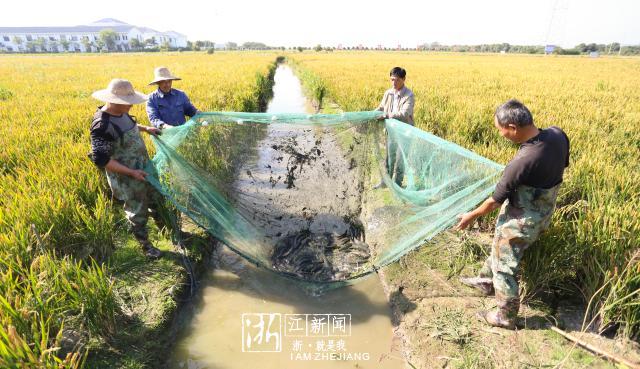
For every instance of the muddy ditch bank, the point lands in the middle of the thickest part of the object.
(434, 315)
(151, 295)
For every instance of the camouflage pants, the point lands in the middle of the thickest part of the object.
(140, 199)
(517, 227)
(139, 208)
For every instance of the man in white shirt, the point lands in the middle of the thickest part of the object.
(397, 103)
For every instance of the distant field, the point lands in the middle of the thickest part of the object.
(596, 229)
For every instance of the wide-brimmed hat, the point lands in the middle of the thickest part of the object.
(120, 91)
(163, 74)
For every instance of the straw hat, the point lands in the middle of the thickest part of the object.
(120, 91)
(163, 74)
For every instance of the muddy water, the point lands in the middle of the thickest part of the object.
(250, 317)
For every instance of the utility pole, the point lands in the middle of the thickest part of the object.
(557, 23)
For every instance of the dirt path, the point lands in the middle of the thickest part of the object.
(437, 320)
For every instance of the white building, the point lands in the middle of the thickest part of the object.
(84, 38)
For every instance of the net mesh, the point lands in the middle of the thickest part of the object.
(297, 194)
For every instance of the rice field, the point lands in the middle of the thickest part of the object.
(56, 213)
(592, 247)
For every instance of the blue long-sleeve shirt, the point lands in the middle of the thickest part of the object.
(169, 108)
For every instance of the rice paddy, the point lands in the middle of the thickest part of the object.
(58, 222)
(56, 213)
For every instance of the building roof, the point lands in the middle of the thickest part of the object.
(108, 22)
(174, 33)
(147, 30)
(97, 26)
(73, 29)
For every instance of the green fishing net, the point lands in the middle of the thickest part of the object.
(319, 198)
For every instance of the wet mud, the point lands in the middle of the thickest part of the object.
(304, 195)
(322, 256)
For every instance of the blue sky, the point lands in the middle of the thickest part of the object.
(370, 23)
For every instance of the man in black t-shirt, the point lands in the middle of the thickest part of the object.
(526, 194)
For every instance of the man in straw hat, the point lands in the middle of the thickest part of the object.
(116, 146)
(167, 106)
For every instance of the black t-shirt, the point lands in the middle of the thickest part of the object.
(539, 163)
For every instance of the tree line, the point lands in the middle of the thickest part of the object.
(107, 41)
(580, 49)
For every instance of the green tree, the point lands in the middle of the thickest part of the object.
(86, 44)
(108, 38)
(31, 46)
(65, 44)
(41, 43)
(614, 47)
(18, 41)
(590, 48)
(318, 47)
(53, 45)
(629, 50)
(254, 46)
(135, 44)
(100, 45)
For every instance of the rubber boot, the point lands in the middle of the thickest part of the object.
(149, 250)
(504, 316)
(484, 285)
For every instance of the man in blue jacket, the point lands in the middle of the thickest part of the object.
(168, 106)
